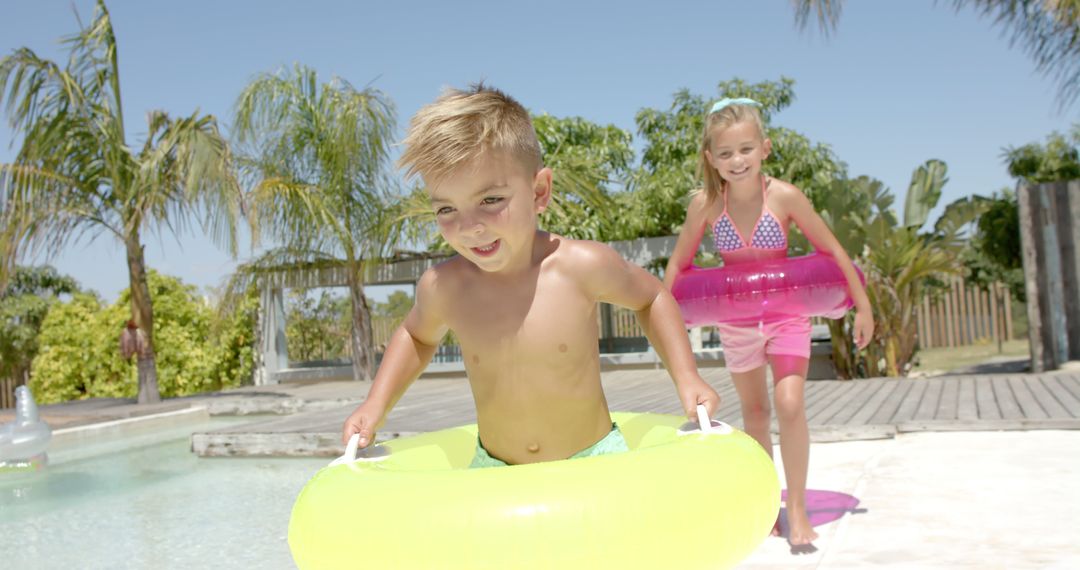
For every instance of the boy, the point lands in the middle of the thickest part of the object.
(522, 302)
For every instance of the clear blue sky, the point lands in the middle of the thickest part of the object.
(897, 84)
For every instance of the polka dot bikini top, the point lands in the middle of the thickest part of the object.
(768, 240)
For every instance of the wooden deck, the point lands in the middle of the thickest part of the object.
(836, 410)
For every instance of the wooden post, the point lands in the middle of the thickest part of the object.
(1029, 257)
(971, 300)
(920, 324)
(1027, 201)
(961, 317)
(606, 327)
(1067, 199)
(981, 311)
(950, 335)
(994, 295)
(1008, 313)
(940, 313)
(928, 322)
(1053, 264)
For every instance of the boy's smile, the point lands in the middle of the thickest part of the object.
(486, 210)
(486, 250)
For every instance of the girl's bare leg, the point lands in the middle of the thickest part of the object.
(789, 375)
(754, 400)
(756, 413)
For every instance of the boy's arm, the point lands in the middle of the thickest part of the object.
(619, 282)
(693, 229)
(821, 237)
(407, 354)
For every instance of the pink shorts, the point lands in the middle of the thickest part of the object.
(746, 347)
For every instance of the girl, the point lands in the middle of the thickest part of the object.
(749, 214)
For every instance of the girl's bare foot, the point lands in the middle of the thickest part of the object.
(800, 532)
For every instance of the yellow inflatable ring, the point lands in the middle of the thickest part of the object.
(677, 499)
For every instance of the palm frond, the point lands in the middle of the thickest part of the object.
(1048, 30)
(826, 12)
(317, 158)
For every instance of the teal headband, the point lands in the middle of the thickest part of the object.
(725, 102)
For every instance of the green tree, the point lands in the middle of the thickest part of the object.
(313, 325)
(23, 306)
(1048, 30)
(993, 254)
(590, 162)
(669, 170)
(318, 155)
(1057, 160)
(397, 306)
(76, 176)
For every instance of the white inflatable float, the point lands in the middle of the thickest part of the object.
(23, 441)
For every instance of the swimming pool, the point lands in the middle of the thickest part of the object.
(146, 501)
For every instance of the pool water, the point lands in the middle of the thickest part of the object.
(149, 502)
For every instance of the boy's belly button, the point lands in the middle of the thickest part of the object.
(533, 447)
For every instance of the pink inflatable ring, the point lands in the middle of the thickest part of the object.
(767, 291)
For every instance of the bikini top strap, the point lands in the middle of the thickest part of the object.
(724, 193)
(765, 196)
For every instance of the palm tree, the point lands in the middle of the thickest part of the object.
(75, 175)
(1049, 30)
(318, 158)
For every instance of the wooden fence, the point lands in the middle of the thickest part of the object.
(7, 392)
(965, 315)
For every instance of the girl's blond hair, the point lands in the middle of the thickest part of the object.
(713, 184)
(460, 125)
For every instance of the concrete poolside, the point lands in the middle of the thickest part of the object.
(949, 472)
(836, 410)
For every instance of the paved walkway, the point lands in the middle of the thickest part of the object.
(836, 410)
(306, 418)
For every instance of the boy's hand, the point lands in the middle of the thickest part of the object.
(699, 392)
(864, 328)
(363, 421)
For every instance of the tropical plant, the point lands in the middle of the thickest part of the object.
(900, 262)
(317, 157)
(23, 306)
(75, 174)
(1049, 30)
(996, 252)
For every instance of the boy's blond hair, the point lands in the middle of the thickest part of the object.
(460, 125)
(720, 120)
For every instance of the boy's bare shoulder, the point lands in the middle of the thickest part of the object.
(441, 278)
(579, 254)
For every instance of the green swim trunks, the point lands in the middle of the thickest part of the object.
(613, 442)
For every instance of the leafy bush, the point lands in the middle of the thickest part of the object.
(79, 355)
